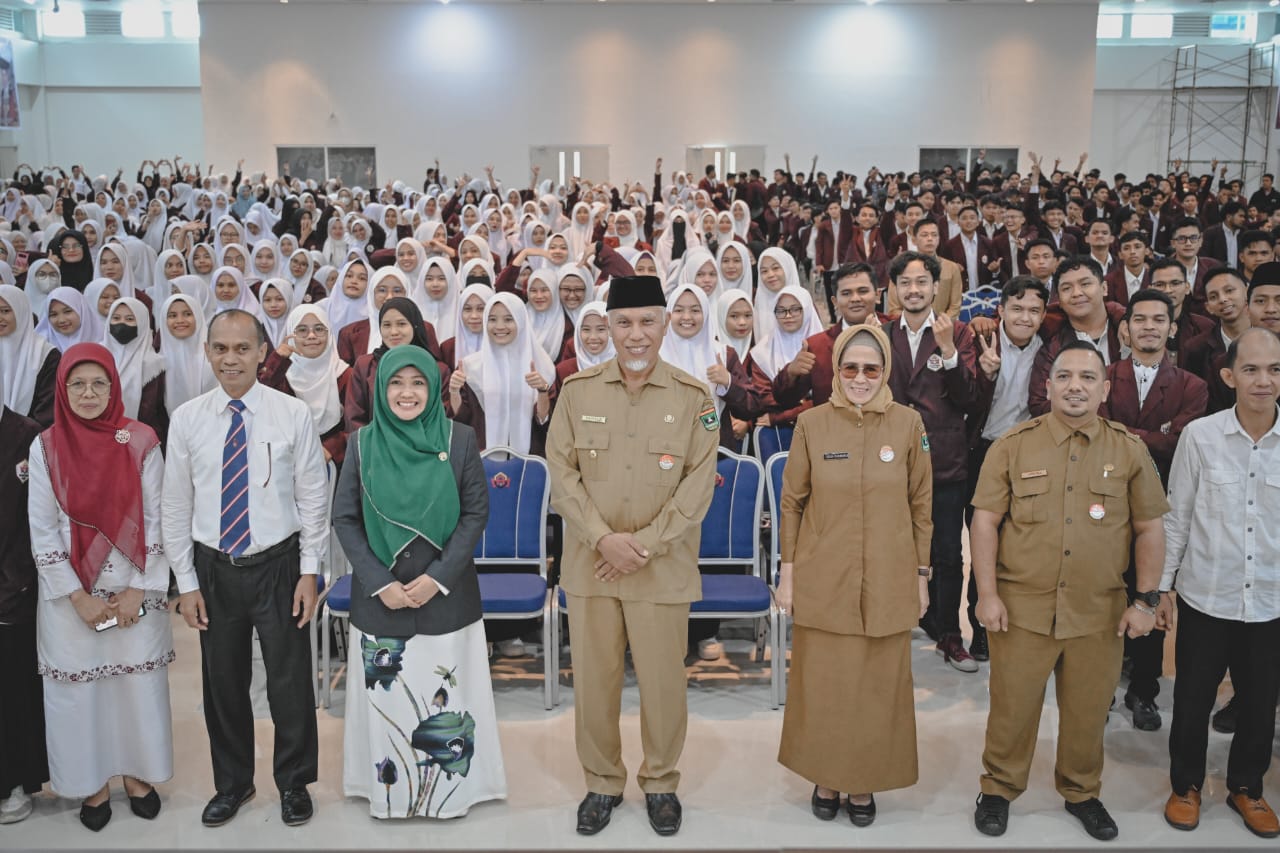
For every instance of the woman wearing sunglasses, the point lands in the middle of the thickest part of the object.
(854, 577)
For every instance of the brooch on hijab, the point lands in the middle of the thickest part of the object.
(122, 436)
(444, 457)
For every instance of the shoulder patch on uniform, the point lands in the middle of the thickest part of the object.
(924, 441)
(584, 374)
(1025, 425)
(707, 416)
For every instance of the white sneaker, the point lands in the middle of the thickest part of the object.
(510, 648)
(710, 649)
(16, 807)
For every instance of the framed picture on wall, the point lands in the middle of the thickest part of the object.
(355, 166)
(10, 114)
(304, 162)
(935, 159)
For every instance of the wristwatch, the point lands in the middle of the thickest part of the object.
(1151, 599)
(925, 572)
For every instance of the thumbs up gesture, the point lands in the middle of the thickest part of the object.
(457, 379)
(802, 364)
(718, 374)
(534, 379)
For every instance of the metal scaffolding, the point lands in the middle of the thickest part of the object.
(1222, 102)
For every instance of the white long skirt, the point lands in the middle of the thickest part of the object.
(421, 733)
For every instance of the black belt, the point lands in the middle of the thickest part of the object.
(249, 560)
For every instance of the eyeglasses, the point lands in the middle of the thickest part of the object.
(308, 331)
(851, 371)
(98, 386)
(1187, 238)
(1171, 283)
(574, 291)
(788, 312)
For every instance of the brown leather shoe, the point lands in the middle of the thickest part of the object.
(1258, 816)
(1183, 812)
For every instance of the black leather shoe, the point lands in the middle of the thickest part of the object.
(1146, 716)
(978, 645)
(1225, 720)
(1093, 816)
(594, 812)
(991, 816)
(823, 808)
(295, 807)
(862, 815)
(146, 807)
(664, 813)
(223, 807)
(96, 817)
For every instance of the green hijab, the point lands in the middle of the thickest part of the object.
(409, 488)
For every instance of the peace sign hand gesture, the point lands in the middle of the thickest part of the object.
(989, 359)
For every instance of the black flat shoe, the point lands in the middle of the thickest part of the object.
(862, 815)
(146, 807)
(295, 807)
(1095, 819)
(96, 817)
(991, 816)
(1146, 716)
(594, 812)
(1225, 720)
(823, 808)
(664, 813)
(223, 807)
(978, 647)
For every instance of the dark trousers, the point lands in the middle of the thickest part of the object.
(1205, 647)
(829, 288)
(1145, 654)
(238, 601)
(23, 761)
(948, 558)
(977, 455)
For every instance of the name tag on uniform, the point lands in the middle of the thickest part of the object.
(840, 455)
(1031, 475)
(595, 419)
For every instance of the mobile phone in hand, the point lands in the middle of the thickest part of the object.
(113, 621)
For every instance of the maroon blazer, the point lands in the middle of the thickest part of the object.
(1175, 399)
(878, 257)
(1206, 357)
(472, 414)
(942, 397)
(1057, 332)
(1000, 246)
(357, 403)
(953, 250)
(1196, 299)
(1184, 338)
(1117, 289)
(823, 244)
(780, 414)
(788, 390)
(274, 374)
(353, 341)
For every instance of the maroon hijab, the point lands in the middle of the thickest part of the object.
(95, 468)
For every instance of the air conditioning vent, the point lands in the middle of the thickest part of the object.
(8, 20)
(1191, 26)
(104, 23)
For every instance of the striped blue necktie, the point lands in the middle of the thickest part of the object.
(234, 538)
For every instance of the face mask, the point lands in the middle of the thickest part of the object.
(123, 332)
(46, 281)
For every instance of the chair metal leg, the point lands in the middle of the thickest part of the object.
(324, 646)
(548, 660)
(555, 647)
(315, 663)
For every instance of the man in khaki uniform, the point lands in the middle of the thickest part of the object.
(632, 452)
(1059, 501)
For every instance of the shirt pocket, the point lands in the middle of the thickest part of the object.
(1112, 493)
(593, 454)
(1269, 497)
(1030, 501)
(1224, 492)
(664, 464)
(270, 459)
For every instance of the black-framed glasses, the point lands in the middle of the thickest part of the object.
(788, 312)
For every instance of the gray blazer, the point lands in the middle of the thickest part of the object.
(454, 567)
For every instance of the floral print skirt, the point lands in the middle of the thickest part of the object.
(421, 733)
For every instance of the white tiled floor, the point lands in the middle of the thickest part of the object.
(734, 792)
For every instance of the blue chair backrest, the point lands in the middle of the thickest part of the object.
(731, 528)
(980, 302)
(519, 489)
(771, 440)
(773, 471)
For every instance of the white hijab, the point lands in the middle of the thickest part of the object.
(36, 294)
(779, 348)
(262, 246)
(187, 373)
(442, 314)
(136, 362)
(496, 376)
(547, 327)
(278, 328)
(578, 235)
(694, 259)
(375, 326)
(742, 346)
(126, 272)
(23, 353)
(301, 283)
(315, 380)
(161, 286)
(465, 342)
(91, 322)
(345, 310)
(766, 299)
(588, 281)
(335, 249)
(742, 282)
(696, 354)
(246, 301)
(584, 358)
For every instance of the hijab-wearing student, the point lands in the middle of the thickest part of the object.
(777, 270)
(399, 324)
(42, 279)
(140, 368)
(68, 320)
(347, 302)
(795, 318)
(183, 332)
(305, 364)
(276, 297)
(74, 261)
(28, 359)
(592, 344)
(548, 324)
(468, 324)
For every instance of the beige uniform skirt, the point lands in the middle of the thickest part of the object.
(850, 721)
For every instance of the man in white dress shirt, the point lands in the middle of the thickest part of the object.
(1223, 561)
(246, 518)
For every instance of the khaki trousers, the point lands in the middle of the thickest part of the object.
(1085, 670)
(600, 630)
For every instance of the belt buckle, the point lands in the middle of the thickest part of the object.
(231, 558)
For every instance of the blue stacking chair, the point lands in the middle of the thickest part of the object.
(980, 302)
(770, 440)
(773, 484)
(519, 492)
(334, 599)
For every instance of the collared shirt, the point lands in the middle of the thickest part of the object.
(1232, 247)
(1222, 545)
(288, 488)
(1100, 344)
(953, 228)
(970, 245)
(990, 228)
(1105, 263)
(1068, 497)
(913, 338)
(1133, 283)
(1144, 377)
(1009, 403)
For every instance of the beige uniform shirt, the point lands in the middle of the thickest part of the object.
(641, 463)
(1068, 497)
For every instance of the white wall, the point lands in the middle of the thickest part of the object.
(478, 84)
